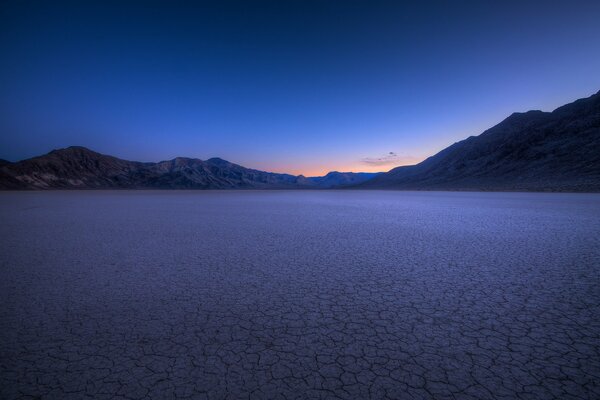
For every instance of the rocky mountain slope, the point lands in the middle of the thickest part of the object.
(81, 168)
(538, 151)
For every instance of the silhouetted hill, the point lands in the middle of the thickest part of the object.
(80, 168)
(338, 179)
(540, 151)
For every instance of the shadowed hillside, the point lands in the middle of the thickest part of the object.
(540, 151)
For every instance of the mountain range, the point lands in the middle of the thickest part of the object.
(80, 168)
(531, 151)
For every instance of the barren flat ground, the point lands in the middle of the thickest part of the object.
(299, 294)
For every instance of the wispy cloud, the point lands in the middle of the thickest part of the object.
(390, 158)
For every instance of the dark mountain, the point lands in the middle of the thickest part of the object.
(339, 179)
(537, 151)
(81, 168)
(557, 151)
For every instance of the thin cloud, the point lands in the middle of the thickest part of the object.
(390, 158)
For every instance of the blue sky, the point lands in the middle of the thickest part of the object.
(293, 86)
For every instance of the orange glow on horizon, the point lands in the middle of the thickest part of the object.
(321, 170)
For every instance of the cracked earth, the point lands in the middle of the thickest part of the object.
(296, 295)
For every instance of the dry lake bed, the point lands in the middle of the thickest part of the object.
(299, 294)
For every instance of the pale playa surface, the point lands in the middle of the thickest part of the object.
(299, 295)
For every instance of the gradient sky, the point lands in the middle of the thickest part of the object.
(285, 86)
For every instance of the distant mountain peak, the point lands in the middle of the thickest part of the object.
(217, 160)
(530, 113)
(76, 152)
(185, 160)
(524, 117)
(340, 179)
(73, 149)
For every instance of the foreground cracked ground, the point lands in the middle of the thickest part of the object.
(296, 295)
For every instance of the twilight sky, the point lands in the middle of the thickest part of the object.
(284, 86)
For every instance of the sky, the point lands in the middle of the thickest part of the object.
(302, 87)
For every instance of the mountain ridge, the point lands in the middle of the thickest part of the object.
(77, 167)
(529, 151)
